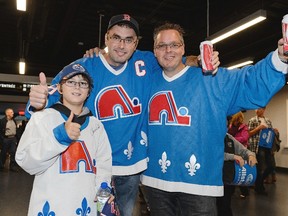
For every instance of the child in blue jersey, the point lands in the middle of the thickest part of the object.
(119, 97)
(67, 149)
(187, 123)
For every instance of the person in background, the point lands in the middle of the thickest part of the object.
(120, 95)
(187, 123)
(67, 149)
(8, 135)
(264, 156)
(21, 128)
(271, 178)
(239, 130)
(234, 151)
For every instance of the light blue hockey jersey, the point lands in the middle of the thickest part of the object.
(187, 123)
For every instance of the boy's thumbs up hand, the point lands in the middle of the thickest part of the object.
(72, 128)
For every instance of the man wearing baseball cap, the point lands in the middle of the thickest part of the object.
(124, 19)
(67, 149)
(122, 79)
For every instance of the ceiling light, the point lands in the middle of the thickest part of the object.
(240, 64)
(21, 5)
(22, 66)
(247, 22)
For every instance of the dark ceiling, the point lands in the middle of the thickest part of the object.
(52, 33)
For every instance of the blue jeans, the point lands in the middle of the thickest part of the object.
(126, 188)
(164, 203)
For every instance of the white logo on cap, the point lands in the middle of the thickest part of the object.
(78, 67)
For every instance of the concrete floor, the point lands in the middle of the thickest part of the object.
(15, 189)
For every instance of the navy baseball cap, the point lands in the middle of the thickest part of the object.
(72, 70)
(125, 19)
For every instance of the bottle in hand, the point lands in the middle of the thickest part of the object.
(104, 208)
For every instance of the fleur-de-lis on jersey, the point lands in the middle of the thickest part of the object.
(46, 210)
(192, 165)
(129, 150)
(164, 163)
(144, 140)
(85, 209)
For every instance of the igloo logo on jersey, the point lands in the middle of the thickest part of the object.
(163, 110)
(113, 102)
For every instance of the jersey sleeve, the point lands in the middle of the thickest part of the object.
(38, 149)
(250, 87)
(103, 155)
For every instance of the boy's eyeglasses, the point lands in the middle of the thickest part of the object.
(81, 84)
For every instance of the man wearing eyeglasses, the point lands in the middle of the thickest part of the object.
(187, 123)
(122, 79)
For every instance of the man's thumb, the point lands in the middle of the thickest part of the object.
(42, 78)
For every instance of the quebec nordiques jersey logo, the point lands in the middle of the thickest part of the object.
(77, 152)
(163, 109)
(113, 102)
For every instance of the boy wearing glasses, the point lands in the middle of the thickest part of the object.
(67, 149)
